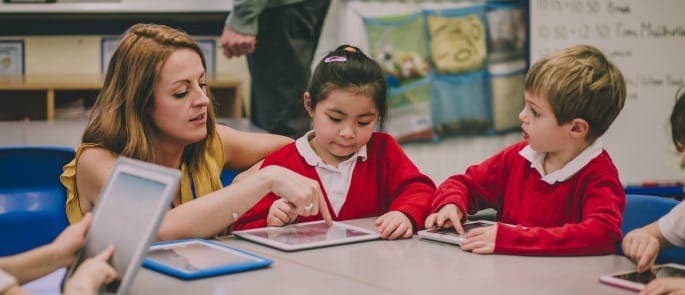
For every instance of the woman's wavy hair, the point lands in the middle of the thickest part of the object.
(121, 121)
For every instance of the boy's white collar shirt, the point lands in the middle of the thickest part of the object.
(537, 159)
(336, 181)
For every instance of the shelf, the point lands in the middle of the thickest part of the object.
(121, 6)
(34, 97)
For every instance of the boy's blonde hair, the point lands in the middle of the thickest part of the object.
(579, 82)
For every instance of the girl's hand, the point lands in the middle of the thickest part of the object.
(665, 286)
(91, 274)
(641, 247)
(393, 225)
(281, 213)
(480, 240)
(448, 216)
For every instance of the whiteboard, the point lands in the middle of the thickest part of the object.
(646, 40)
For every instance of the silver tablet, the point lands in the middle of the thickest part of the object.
(450, 235)
(636, 281)
(127, 215)
(307, 235)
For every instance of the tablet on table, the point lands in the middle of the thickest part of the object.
(450, 235)
(636, 281)
(307, 235)
(197, 258)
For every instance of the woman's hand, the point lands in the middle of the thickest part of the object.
(301, 192)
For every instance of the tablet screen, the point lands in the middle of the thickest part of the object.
(308, 233)
(648, 276)
(467, 227)
(196, 256)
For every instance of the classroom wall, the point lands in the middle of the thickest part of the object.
(646, 41)
(58, 55)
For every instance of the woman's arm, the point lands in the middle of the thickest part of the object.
(211, 214)
(92, 171)
(244, 149)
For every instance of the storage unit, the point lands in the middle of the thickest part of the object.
(37, 97)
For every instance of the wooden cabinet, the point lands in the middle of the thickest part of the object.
(50, 97)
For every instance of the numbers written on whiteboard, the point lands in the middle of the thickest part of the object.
(584, 6)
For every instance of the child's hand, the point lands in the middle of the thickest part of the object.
(480, 240)
(448, 216)
(91, 274)
(70, 241)
(281, 213)
(665, 286)
(641, 247)
(393, 225)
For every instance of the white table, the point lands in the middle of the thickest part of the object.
(412, 266)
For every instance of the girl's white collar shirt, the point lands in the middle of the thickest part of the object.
(336, 181)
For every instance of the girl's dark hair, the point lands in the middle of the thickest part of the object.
(678, 121)
(348, 68)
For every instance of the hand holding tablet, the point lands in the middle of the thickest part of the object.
(140, 192)
(636, 281)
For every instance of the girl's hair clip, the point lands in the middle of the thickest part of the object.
(335, 58)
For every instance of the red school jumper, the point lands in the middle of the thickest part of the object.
(386, 181)
(579, 216)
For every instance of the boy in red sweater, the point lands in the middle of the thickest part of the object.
(557, 192)
(362, 173)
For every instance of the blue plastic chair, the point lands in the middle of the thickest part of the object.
(642, 210)
(32, 200)
(227, 176)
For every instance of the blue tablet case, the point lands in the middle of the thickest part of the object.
(258, 262)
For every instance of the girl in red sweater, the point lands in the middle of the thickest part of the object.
(362, 173)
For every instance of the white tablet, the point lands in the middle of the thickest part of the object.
(635, 281)
(127, 215)
(307, 235)
(450, 235)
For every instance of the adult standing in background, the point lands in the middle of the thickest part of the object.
(279, 38)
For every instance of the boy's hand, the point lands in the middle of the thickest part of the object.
(393, 225)
(91, 274)
(480, 240)
(665, 286)
(281, 213)
(448, 216)
(641, 247)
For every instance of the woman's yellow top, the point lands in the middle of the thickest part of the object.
(205, 180)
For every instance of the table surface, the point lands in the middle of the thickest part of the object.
(411, 266)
